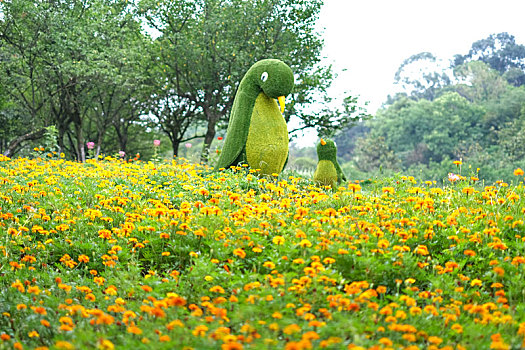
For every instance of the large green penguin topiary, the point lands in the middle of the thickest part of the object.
(257, 132)
(328, 172)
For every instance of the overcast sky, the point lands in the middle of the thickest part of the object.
(372, 38)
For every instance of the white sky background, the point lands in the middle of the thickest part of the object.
(367, 40)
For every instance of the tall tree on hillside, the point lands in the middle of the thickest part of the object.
(207, 46)
(478, 82)
(502, 53)
(422, 76)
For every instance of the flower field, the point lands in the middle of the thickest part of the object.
(170, 255)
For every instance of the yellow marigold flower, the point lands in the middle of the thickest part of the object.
(476, 282)
(111, 290)
(305, 243)
(519, 172)
(278, 240)
(104, 344)
(388, 190)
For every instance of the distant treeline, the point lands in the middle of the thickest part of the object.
(471, 110)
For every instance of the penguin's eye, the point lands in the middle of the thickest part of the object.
(264, 76)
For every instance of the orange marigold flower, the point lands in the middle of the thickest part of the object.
(164, 338)
(293, 328)
(232, 346)
(146, 288)
(240, 253)
(200, 331)
(39, 310)
(456, 327)
(469, 252)
(519, 172)
(217, 289)
(64, 345)
(134, 330)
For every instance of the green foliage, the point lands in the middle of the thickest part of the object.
(205, 47)
(500, 52)
(73, 65)
(477, 119)
(372, 153)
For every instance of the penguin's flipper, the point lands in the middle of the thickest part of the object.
(237, 133)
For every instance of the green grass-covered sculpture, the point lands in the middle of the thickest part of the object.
(257, 132)
(328, 172)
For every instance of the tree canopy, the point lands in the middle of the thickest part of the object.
(470, 111)
(119, 72)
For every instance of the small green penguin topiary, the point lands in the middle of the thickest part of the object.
(257, 132)
(328, 172)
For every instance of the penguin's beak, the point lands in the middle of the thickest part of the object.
(281, 103)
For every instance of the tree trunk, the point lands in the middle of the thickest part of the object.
(175, 145)
(210, 135)
(80, 143)
(15, 144)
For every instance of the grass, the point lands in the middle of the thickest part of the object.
(110, 254)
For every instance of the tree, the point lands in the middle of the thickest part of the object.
(501, 52)
(478, 82)
(421, 76)
(423, 131)
(347, 139)
(372, 153)
(21, 74)
(208, 45)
